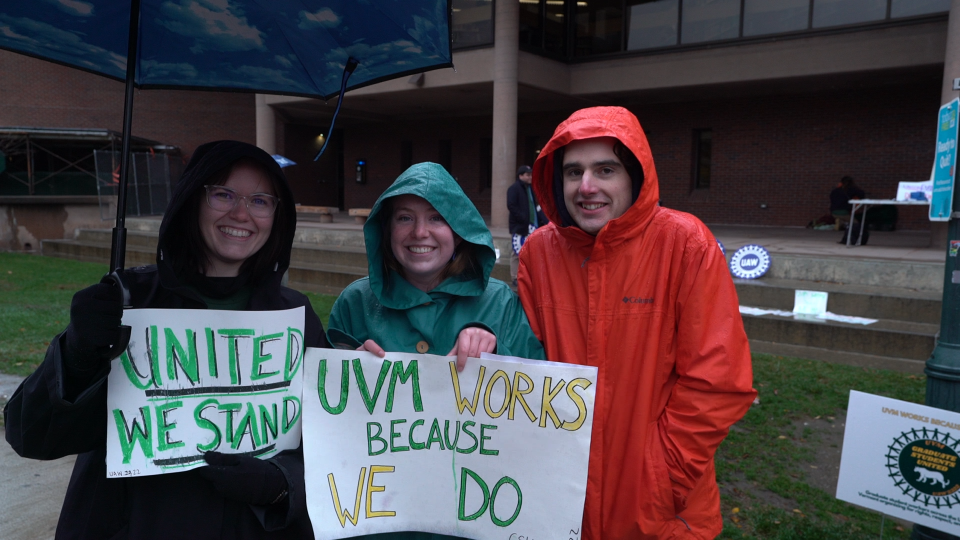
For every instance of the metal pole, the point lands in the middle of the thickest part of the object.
(943, 366)
(119, 242)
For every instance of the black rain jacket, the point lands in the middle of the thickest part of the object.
(42, 424)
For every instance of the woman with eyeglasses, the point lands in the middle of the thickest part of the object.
(225, 243)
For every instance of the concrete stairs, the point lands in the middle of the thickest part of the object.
(904, 296)
(324, 259)
(902, 338)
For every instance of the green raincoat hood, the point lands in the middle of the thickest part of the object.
(433, 183)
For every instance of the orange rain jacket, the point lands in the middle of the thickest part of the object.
(650, 302)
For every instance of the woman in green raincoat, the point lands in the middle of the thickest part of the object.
(429, 288)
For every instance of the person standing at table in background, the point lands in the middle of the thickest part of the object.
(525, 215)
(643, 293)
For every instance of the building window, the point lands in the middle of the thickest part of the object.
(582, 28)
(838, 12)
(406, 154)
(531, 26)
(702, 157)
(710, 20)
(774, 16)
(908, 8)
(652, 24)
(599, 27)
(485, 167)
(471, 23)
(445, 155)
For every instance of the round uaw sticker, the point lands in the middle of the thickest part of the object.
(723, 250)
(750, 262)
(518, 243)
(923, 465)
(518, 240)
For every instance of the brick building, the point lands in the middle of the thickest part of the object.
(754, 109)
(68, 114)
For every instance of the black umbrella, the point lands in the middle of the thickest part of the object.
(291, 47)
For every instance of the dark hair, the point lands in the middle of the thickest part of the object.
(188, 252)
(630, 163)
(464, 255)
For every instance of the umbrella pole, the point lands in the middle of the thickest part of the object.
(347, 71)
(118, 245)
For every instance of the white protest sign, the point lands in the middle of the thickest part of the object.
(809, 302)
(900, 459)
(405, 443)
(195, 380)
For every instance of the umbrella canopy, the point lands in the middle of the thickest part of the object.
(291, 47)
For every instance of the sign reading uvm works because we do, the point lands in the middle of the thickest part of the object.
(900, 459)
(406, 443)
(193, 381)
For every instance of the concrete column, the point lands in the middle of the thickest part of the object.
(506, 52)
(266, 126)
(951, 70)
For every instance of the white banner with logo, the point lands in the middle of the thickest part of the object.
(900, 459)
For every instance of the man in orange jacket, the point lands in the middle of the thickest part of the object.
(643, 293)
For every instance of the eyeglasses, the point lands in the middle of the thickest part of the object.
(224, 199)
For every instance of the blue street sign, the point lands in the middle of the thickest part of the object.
(941, 206)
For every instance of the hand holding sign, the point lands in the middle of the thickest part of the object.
(95, 314)
(471, 343)
(244, 478)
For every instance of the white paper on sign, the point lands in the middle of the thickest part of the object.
(195, 380)
(900, 459)
(405, 443)
(809, 302)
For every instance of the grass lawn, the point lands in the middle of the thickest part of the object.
(771, 468)
(35, 294)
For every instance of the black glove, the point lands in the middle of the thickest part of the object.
(95, 315)
(244, 478)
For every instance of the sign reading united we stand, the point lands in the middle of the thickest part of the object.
(406, 443)
(193, 381)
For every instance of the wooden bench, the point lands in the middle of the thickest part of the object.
(360, 215)
(323, 214)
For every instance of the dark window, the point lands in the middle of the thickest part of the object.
(773, 16)
(554, 27)
(485, 167)
(702, 157)
(445, 155)
(406, 154)
(581, 28)
(652, 23)
(599, 27)
(471, 23)
(710, 20)
(531, 32)
(906, 8)
(837, 12)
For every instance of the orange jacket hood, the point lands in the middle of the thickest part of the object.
(594, 122)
